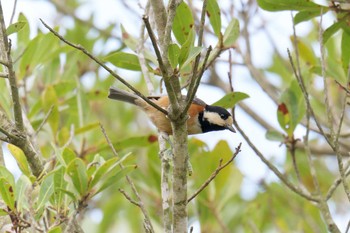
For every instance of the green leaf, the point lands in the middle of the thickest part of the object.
(292, 108)
(273, 135)
(46, 190)
(102, 170)
(185, 48)
(106, 168)
(173, 55)
(183, 23)
(132, 43)
(37, 53)
(124, 60)
(59, 184)
(331, 30)
(56, 229)
(68, 193)
(345, 51)
(307, 15)
(20, 159)
(7, 175)
(306, 51)
(22, 186)
(7, 193)
(66, 156)
(114, 177)
(281, 5)
(231, 99)
(191, 57)
(214, 14)
(231, 33)
(23, 36)
(15, 27)
(49, 100)
(76, 169)
(87, 128)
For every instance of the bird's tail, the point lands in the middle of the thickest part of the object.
(118, 94)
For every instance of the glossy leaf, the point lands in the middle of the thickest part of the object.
(183, 23)
(46, 190)
(345, 51)
(191, 57)
(59, 184)
(292, 109)
(114, 177)
(283, 116)
(307, 15)
(20, 159)
(124, 60)
(132, 43)
(22, 186)
(106, 168)
(231, 33)
(185, 48)
(102, 170)
(76, 169)
(331, 30)
(66, 156)
(15, 27)
(306, 51)
(7, 175)
(7, 193)
(214, 14)
(49, 100)
(23, 35)
(273, 135)
(173, 55)
(87, 128)
(56, 229)
(231, 99)
(281, 5)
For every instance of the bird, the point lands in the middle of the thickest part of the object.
(203, 118)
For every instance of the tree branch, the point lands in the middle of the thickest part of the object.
(215, 173)
(147, 222)
(274, 169)
(115, 75)
(19, 136)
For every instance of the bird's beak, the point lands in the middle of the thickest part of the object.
(230, 127)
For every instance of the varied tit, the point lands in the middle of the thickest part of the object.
(202, 117)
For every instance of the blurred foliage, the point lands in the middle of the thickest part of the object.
(83, 172)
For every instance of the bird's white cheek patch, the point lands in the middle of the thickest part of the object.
(214, 118)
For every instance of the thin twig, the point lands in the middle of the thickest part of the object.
(13, 11)
(98, 61)
(155, 46)
(129, 198)
(44, 120)
(163, 68)
(215, 173)
(336, 145)
(306, 97)
(141, 56)
(323, 72)
(282, 177)
(336, 183)
(196, 62)
(148, 223)
(193, 89)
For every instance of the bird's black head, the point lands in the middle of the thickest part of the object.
(215, 118)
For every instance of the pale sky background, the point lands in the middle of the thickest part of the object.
(113, 11)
